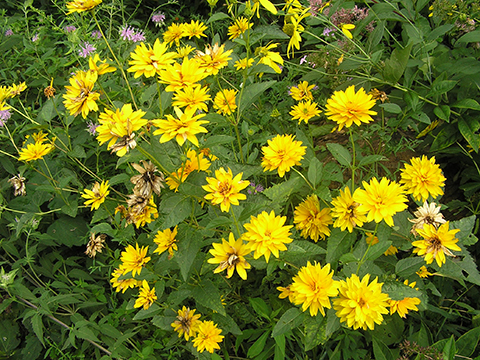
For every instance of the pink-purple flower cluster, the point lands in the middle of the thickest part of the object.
(129, 33)
(255, 189)
(158, 18)
(86, 50)
(96, 34)
(69, 28)
(4, 116)
(9, 32)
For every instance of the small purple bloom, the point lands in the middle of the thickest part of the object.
(138, 36)
(92, 128)
(86, 50)
(255, 189)
(35, 37)
(127, 33)
(158, 18)
(315, 87)
(9, 32)
(69, 28)
(4, 116)
(303, 59)
(96, 34)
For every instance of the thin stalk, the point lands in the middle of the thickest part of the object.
(366, 252)
(304, 178)
(354, 168)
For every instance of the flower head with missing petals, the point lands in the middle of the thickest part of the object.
(97, 195)
(122, 284)
(224, 101)
(187, 323)
(427, 214)
(146, 297)
(238, 27)
(301, 92)
(80, 97)
(95, 244)
(231, 256)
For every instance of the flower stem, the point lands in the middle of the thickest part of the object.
(366, 251)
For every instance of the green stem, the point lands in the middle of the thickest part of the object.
(366, 252)
(236, 223)
(304, 178)
(353, 167)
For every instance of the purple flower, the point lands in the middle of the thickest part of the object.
(255, 189)
(86, 49)
(4, 116)
(35, 37)
(138, 36)
(92, 128)
(328, 32)
(69, 28)
(129, 33)
(96, 34)
(158, 18)
(9, 32)
(303, 59)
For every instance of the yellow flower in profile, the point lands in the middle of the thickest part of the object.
(149, 61)
(80, 97)
(304, 111)
(183, 128)
(214, 58)
(35, 151)
(293, 28)
(303, 91)
(224, 101)
(392, 250)
(208, 337)
(267, 4)
(224, 189)
(380, 200)
(179, 76)
(267, 234)
(287, 292)
(423, 272)
(195, 161)
(346, 30)
(97, 195)
(174, 33)
(312, 221)
(123, 284)
(313, 287)
(194, 29)
(166, 240)
(243, 64)
(238, 27)
(192, 97)
(360, 304)
(403, 306)
(436, 243)
(101, 69)
(282, 153)
(81, 5)
(349, 107)
(423, 178)
(346, 212)
(146, 297)
(231, 256)
(187, 323)
(17, 89)
(269, 58)
(184, 51)
(133, 259)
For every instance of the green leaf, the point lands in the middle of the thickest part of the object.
(467, 104)
(219, 140)
(465, 225)
(371, 159)
(280, 192)
(258, 346)
(292, 318)
(148, 93)
(279, 347)
(252, 93)
(391, 108)
(190, 242)
(473, 36)
(396, 65)
(449, 350)
(467, 343)
(442, 112)
(153, 310)
(468, 128)
(260, 307)
(177, 207)
(47, 113)
(68, 231)
(381, 351)
(339, 243)
(8, 337)
(85, 333)
(315, 171)
(409, 266)
(441, 87)
(219, 222)
(315, 331)
(340, 153)
(37, 325)
(77, 152)
(270, 32)
(207, 294)
(377, 250)
(439, 32)
(217, 16)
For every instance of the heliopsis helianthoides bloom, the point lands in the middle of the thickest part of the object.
(122, 284)
(81, 5)
(427, 214)
(194, 29)
(195, 161)
(134, 259)
(243, 64)
(79, 97)
(311, 221)
(214, 58)
(192, 97)
(267, 234)
(148, 180)
(380, 200)
(423, 178)
(224, 189)
(423, 272)
(224, 102)
(149, 61)
(302, 91)
(238, 27)
(436, 243)
(145, 216)
(174, 33)
(166, 240)
(185, 127)
(254, 6)
(35, 151)
(346, 30)
(269, 58)
(187, 322)
(346, 212)
(287, 292)
(304, 111)
(392, 250)
(293, 28)
(282, 153)
(360, 304)
(97, 195)
(408, 303)
(179, 76)
(349, 107)
(208, 337)
(313, 287)
(146, 296)
(230, 255)
(184, 51)
(120, 126)
(102, 68)
(17, 89)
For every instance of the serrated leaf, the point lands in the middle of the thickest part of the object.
(339, 243)
(409, 266)
(315, 331)
(340, 153)
(85, 333)
(207, 294)
(37, 325)
(441, 87)
(190, 242)
(280, 192)
(219, 222)
(153, 310)
(288, 321)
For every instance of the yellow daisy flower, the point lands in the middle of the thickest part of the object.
(195, 161)
(225, 189)
(184, 51)
(192, 97)
(269, 58)
(312, 221)
(179, 76)
(166, 240)
(346, 212)
(79, 97)
(224, 101)
(304, 111)
(145, 216)
(208, 337)
(174, 33)
(146, 297)
(124, 284)
(423, 272)
(187, 323)
(303, 91)
(194, 29)
(423, 178)
(267, 4)
(35, 151)
(392, 250)
(231, 256)
(97, 195)
(149, 61)
(293, 29)
(402, 306)
(17, 89)
(287, 292)
(214, 58)
(238, 27)
(101, 69)
(243, 64)
(81, 5)
(282, 153)
(348, 107)
(134, 259)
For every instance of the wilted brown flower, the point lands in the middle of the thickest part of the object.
(49, 90)
(379, 95)
(137, 202)
(427, 214)
(95, 244)
(147, 181)
(18, 183)
(126, 142)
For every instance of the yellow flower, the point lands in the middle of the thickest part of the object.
(224, 101)
(195, 161)
(269, 58)
(225, 189)
(427, 214)
(17, 89)
(187, 322)
(81, 5)
(243, 64)
(346, 211)
(380, 200)
(214, 58)
(346, 30)
(146, 297)
(184, 128)
(133, 259)
(124, 284)
(79, 97)
(150, 61)
(423, 178)
(293, 29)
(287, 292)
(313, 287)
(192, 97)
(392, 250)
(166, 241)
(174, 33)
(230, 255)
(238, 27)
(195, 28)
(360, 304)
(402, 306)
(97, 195)
(267, 234)
(184, 51)
(423, 272)
(208, 337)
(282, 153)
(35, 151)
(302, 91)
(265, 3)
(436, 243)
(348, 107)
(304, 111)
(312, 221)
(371, 239)
(101, 69)
(179, 76)
(145, 215)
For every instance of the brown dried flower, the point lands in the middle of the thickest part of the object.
(95, 244)
(18, 183)
(147, 181)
